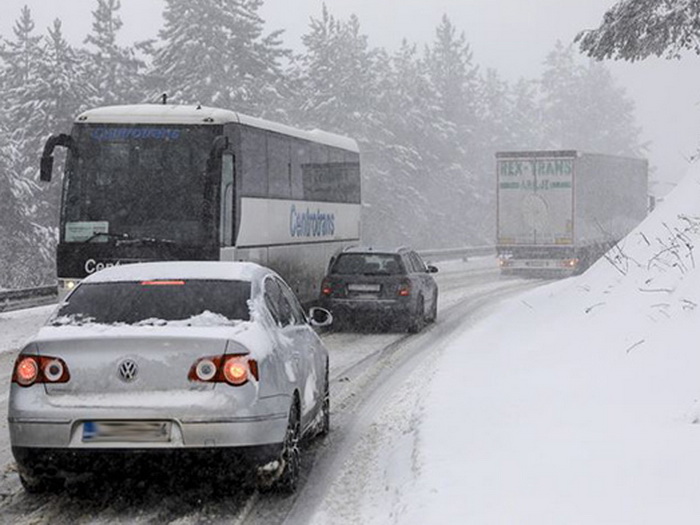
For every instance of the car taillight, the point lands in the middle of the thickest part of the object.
(404, 288)
(326, 288)
(234, 369)
(31, 369)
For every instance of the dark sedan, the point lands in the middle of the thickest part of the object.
(388, 287)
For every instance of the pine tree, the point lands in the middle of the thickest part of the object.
(114, 70)
(526, 117)
(462, 186)
(636, 29)
(214, 52)
(22, 135)
(584, 109)
(62, 92)
(338, 86)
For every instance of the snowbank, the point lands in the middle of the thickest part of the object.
(578, 402)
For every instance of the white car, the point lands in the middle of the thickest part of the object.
(213, 363)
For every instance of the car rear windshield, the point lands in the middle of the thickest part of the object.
(368, 264)
(208, 302)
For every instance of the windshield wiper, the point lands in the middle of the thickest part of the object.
(125, 238)
(148, 240)
(115, 236)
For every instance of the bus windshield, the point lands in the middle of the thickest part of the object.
(136, 181)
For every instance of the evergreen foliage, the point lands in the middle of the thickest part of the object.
(428, 121)
(636, 29)
(114, 70)
(214, 52)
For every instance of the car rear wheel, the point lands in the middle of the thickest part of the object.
(433, 309)
(418, 321)
(34, 484)
(282, 474)
(325, 426)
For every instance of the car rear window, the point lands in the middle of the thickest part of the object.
(156, 302)
(368, 264)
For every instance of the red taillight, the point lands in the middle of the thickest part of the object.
(234, 369)
(162, 283)
(26, 371)
(405, 289)
(33, 369)
(326, 288)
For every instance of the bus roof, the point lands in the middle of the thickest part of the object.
(180, 114)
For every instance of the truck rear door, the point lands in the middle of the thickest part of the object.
(535, 199)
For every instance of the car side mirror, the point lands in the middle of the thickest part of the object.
(320, 316)
(432, 269)
(46, 168)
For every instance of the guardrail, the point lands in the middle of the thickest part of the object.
(27, 298)
(30, 297)
(446, 254)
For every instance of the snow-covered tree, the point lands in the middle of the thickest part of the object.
(526, 117)
(215, 52)
(636, 29)
(114, 71)
(584, 108)
(338, 80)
(453, 74)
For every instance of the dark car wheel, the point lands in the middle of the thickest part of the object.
(325, 425)
(433, 309)
(40, 484)
(416, 323)
(290, 457)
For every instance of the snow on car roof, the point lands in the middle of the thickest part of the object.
(215, 270)
(202, 115)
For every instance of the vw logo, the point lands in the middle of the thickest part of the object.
(128, 370)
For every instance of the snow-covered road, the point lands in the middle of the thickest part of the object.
(367, 369)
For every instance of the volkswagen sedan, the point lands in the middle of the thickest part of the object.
(210, 362)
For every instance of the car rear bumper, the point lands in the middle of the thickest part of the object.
(64, 463)
(223, 432)
(359, 307)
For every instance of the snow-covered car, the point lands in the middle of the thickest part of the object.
(210, 362)
(387, 286)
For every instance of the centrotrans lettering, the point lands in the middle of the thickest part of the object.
(311, 224)
(135, 133)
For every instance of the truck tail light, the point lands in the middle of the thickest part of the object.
(236, 369)
(570, 263)
(31, 369)
(404, 288)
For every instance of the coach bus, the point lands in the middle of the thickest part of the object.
(170, 182)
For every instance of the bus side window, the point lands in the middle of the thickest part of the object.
(226, 209)
(254, 162)
(279, 172)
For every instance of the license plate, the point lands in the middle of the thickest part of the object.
(132, 431)
(364, 288)
(538, 264)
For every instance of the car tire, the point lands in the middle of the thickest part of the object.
(325, 426)
(290, 456)
(433, 309)
(39, 484)
(415, 325)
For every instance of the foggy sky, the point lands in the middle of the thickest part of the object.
(510, 36)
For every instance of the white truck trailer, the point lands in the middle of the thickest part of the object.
(560, 211)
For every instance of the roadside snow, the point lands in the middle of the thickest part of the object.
(16, 327)
(575, 403)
